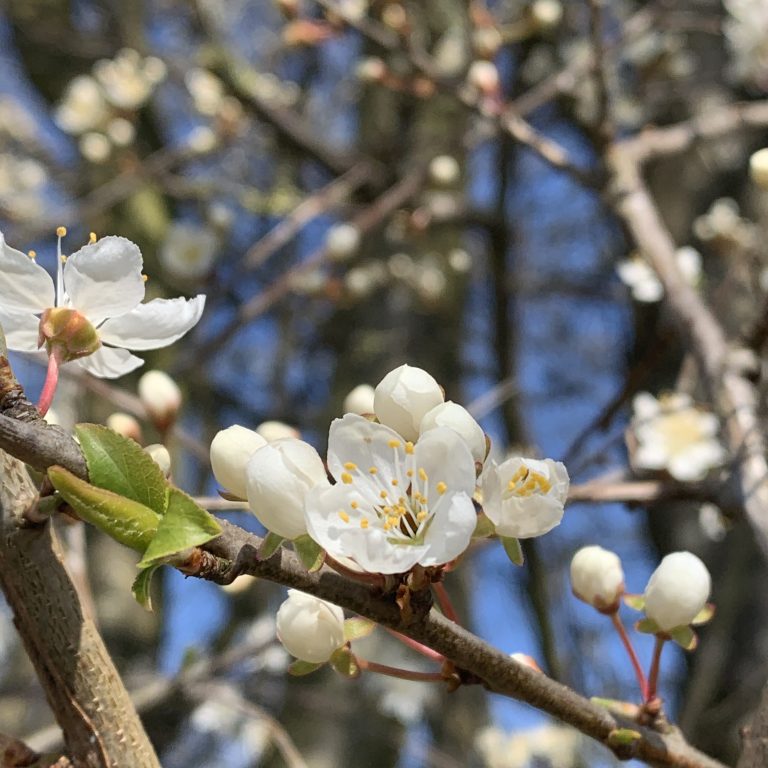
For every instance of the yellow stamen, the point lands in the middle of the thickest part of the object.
(422, 475)
(92, 238)
(364, 523)
(350, 465)
(61, 231)
(354, 504)
(346, 478)
(409, 448)
(421, 516)
(383, 495)
(372, 470)
(344, 516)
(32, 255)
(409, 473)
(441, 487)
(145, 278)
(395, 482)
(394, 444)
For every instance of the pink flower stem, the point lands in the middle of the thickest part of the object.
(51, 380)
(417, 646)
(402, 674)
(445, 602)
(653, 675)
(627, 643)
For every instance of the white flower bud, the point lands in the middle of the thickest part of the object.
(161, 396)
(276, 430)
(444, 170)
(278, 478)
(457, 418)
(677, 590)
(547, 14)
(160, 455)
(758, 168)
(359, 400)
(231, 450)
(310, 629)
(597, 577)
(125, 424)
(403, 397)
(342, 242)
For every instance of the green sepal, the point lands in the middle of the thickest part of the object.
(617, 706)
(647, 626)
(311, 554)
(484, 528)
(620, 737)
(300, 668)
(125, 520)
(635, 602)
(121, 465)
(141, 587)
(345, 663)
(513, 549)
(184, 525)
(269, 546)
(704, 615)
(685, 637)
(357, 628)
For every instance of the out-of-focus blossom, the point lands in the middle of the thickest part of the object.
(359, 400)
(554, 745)
(746, 31)
(161, 396)
(276, 430)
(82, 107)
(640, 278)
(188, 251)
(129, 78)
(124, 424)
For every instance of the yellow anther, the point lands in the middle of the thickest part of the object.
(395, 481)
(383, 495)
(387, 524)
(346, 478)
(32, 254)
(421, 516)
(422, 475)
(394, 443)
(145, 278)
(409, 473)
(409, 447)
(92, 238)
(61, 231)
(63, 259)
(372, 470)
(354, 504)
(350, 465)
(364, 523)
(344, 516)
(393, 521)
(441, 487)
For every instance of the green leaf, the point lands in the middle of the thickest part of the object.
(141, 587)
(704, 615)
(269, 546)
(121, 465)
(484, 527)
(685, 637)
(345, 663)
(311, 554)
(299, 668)
(513, 549)
(647, 626)
(357, 628)
(635, 602)
(184, 525)
(125, 520)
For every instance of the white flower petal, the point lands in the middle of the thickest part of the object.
(445, 457)
(21, 330)
(648, 291)
(24, 285)
(104, 279)
(645, 405)
(157, 323)
(110, 363)
(450, 530)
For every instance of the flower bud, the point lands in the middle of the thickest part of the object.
(546, 14)
(457, 418)
(403, 397)
(677, 590)
(597, 577)
(310, 629)
(278, 478)
(67, 332)
(359, 400)
(276, 430)
(444, 170)
(160, 455)
(126, 425)
(231, 450)
(758, 168)
(161, 396)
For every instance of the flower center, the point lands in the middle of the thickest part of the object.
(526, 482)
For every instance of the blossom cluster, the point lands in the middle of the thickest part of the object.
(404, 482)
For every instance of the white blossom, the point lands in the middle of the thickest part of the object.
(758, 168)
(276, 430)
(524, 498)
(641, 279)
(231, 450)
(82, 107)
(129, 79)
(278, 478)
(124, 424)
(746, 31)
(597, 577)
(403, 397)
(395, 504)
(103, 282)
(459, 419)
(444, 170)
(311, 629)
(359, 400)
(160, 395)
(342, 241)
(674, 435)
(677, 590)
(188, 251)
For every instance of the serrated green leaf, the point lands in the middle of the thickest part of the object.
(635, 602)
(513, 549)
(357, 628)
(125, 520)
(647, 626)
(121, 465)
(483, 527)
(704, 615)
(311, 554)
(345, 663)
(685, 637)
(299, 668)
(141, 587)
(269, 546)
(184, 525)
(623, 736)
